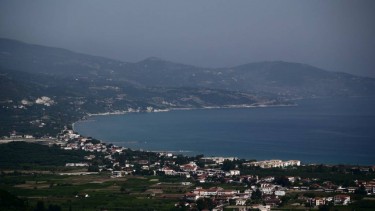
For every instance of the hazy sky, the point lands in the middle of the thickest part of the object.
(334, 35)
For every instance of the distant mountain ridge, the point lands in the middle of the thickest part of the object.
(277, 78)
(79, 84)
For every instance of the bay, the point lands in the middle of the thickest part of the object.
(330, 131)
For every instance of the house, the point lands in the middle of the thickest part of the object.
(227, 192)
(186, 183)
(119, 173)
(271, 200)
(261, 207)
(280, 193)
(168, 171)
(241, 201)
(292, 179)
(142, 162)
(268, 179)
(317, 201)
(351, 189)
(275, 163)
(218, 160)
(202, 178)
(248, 191)
(77, 164)
(191, 167)
(89, 157)
(145, 167)
(341, 199)
(267, 188)
(214, 191)
(234, 172)
(191, 196)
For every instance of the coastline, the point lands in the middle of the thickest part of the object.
(301, 106)
(184, 152)
(123, 112)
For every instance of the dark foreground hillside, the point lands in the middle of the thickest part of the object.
(22, 155)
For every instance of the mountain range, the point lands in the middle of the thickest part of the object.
(278, 78)
(79, 84)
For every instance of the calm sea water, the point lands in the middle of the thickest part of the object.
(336, 131)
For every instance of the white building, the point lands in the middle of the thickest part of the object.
(234, 172)
(275, 163)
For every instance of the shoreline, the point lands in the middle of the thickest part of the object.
(188, 153)
(123, 112)
(185, 152)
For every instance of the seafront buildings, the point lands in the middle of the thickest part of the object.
(275, 163)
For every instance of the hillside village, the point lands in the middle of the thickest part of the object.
(205, 178)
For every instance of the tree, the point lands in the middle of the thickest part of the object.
(200, 164)
(204, 203)
(361, 190)
(198, 157)
(324, 207)
(232, 201)
(122, 189)
(53, 207)
(93, 168)
(10, 202)
(309, 195)
(40, 206)
(247, 203)
(180, 160)
(228, 165)
(285, 199)
(283, 181)
(256, 196)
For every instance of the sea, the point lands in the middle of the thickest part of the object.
(314, 131)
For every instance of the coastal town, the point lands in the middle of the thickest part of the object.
(214, 183)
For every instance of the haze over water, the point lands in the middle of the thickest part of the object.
(332, 131)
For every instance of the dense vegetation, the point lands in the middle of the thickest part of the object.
(69, 192)
(10, 202)
(22, 155)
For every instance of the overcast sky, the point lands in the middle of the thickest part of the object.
(334, 35)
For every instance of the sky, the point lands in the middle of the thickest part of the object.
(336, 35)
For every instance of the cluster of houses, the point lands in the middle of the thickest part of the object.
(368, 186)
(203, 173)
(271, 192)
(15, 136)
(73, 141)
(274, 163)
(270, 195)
(340, 199)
